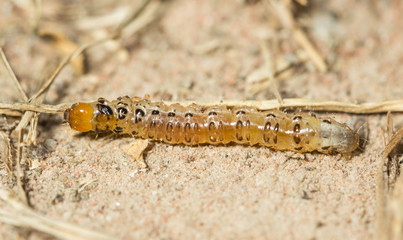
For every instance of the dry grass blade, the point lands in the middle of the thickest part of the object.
(289, 103)
(10, 113)
(24, 97)
(21, 94)
(20, 215)
(21, 190)
(271, 69)
(7, 150)
(282, 10)
(311, 105)
(143, 18)
(383, 187)
(63, 46)
(32, 137)
(34, 107)
(389, 125)
(60, 67)
(142, 6)
(38, 14)
(395, 211)
(258, 80)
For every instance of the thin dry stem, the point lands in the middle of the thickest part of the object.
(311, 105)
(34, 107)
(258, 79)
(32, 137)
(21, 191)
(143, 19)
(389, 125)
(270, 65)
(60, 67)
(383, 186)
(283, 11)
(289, 103)
(7, 153)
(135, 14)
(10, 113)
(20, 93)
(27, 117)
(38, 13)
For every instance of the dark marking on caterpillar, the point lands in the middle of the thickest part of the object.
(297, 118)
(187, 133)
(276, 128)
(122, 113)
(266, 134)
(247, 126)
(101, 100)
(240, 112)
(139, 112)
(105, 109)
(122, 104)
(212, 114)
(297, 138)
(118, 130)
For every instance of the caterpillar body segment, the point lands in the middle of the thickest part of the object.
(220, 124)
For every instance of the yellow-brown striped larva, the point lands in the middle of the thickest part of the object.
(220, 124)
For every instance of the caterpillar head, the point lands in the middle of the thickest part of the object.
(79, 116)
(95, 116)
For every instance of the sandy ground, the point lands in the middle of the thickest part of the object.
(205, 50)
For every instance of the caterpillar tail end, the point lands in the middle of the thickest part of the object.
(79, 116)
(336, 137)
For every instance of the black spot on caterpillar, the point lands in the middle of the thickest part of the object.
(195, 124)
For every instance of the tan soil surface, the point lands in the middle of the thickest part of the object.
(205, 50)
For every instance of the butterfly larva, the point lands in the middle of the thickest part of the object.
(220, 124)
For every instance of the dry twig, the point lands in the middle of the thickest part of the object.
(7, 154)
(383, 186)
(311, 105)
(271, 69)
(20, 93)
(282, 9)
(289, 103)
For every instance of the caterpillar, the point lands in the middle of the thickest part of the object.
(219, 124)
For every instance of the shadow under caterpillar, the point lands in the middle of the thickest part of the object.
(219, 124)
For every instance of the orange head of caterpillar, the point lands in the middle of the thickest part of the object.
(79, 116)
(96, 116)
